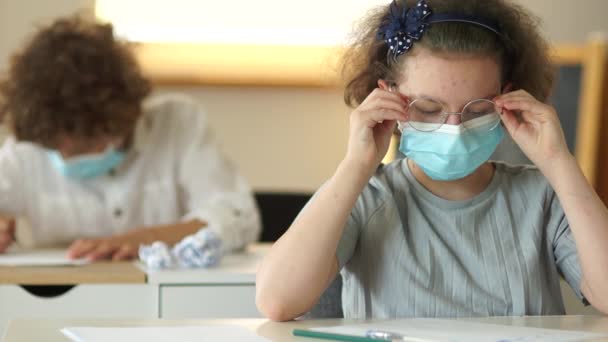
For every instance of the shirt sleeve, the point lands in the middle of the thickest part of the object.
(371, 199)
(212, 189)
(564, 247)
(349, 239)
(12, 189)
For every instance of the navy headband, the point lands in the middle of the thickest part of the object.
(401, 28)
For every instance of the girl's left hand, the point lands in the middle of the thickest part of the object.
(537, 132)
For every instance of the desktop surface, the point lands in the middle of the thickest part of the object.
(26, 330)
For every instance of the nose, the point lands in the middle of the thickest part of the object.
(454, 119)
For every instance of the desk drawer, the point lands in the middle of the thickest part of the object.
(208, 301)
(80, 301)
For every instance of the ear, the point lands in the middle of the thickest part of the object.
(382, 84)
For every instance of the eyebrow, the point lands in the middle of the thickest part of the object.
(489, 97)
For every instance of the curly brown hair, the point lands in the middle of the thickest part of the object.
(75, 79)
(521, 50)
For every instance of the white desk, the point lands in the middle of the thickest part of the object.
(48, 330)
(224, 292)
(113, 290)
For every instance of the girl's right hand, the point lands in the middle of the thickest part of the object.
(371, 126)
(7, 232)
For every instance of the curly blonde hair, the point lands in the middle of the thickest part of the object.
(522, 52)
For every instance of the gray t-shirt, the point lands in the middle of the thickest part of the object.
(408, 253)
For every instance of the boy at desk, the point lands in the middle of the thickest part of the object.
(93, 162)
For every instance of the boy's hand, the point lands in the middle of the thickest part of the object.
(7, 232)
(115, 248)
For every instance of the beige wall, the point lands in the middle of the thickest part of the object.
(19, 17)
(287, 138)
(282, 139)
(569, 21)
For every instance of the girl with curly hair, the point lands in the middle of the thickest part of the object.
(444, 232)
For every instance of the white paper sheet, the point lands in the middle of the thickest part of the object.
(424, 329)
(52, 257)
(162, 334)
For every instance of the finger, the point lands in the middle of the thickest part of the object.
(510, 121)
(4, 245)
(12, 227)
(381, 93)
(5, 238)
(532, 118)
(516, 100)
(3, 248)
(125, 252)
(386, 128)
(379, 99)
(102, 251)
(7, 225)
(385, 103)
(80, 248)
(7, 234)
(533, 106)
(383, 114)
(393, 96)
(516, 93)
(502, 101)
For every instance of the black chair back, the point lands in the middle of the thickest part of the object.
(278, 210)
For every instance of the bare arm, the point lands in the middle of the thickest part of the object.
(540, 136)
(588, 220)
(303, 261)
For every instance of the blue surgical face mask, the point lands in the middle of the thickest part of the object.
(452, 151)
(87, 166)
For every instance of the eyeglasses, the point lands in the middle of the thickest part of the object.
(429, 115)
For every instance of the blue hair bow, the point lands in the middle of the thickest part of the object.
(402, 27)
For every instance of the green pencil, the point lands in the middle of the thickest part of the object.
(335, 337)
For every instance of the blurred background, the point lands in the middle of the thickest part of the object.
(265, 71)
(287, 135)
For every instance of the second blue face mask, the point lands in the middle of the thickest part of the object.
(87, 166)
(452, 152)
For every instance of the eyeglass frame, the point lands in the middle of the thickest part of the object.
(444, 114)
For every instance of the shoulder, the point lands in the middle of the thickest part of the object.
(172, 108)
(528, 176)
(174, 118)
(526, 182)
(390, 178)
(13, 149)
(24, 159)
(381, 188)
